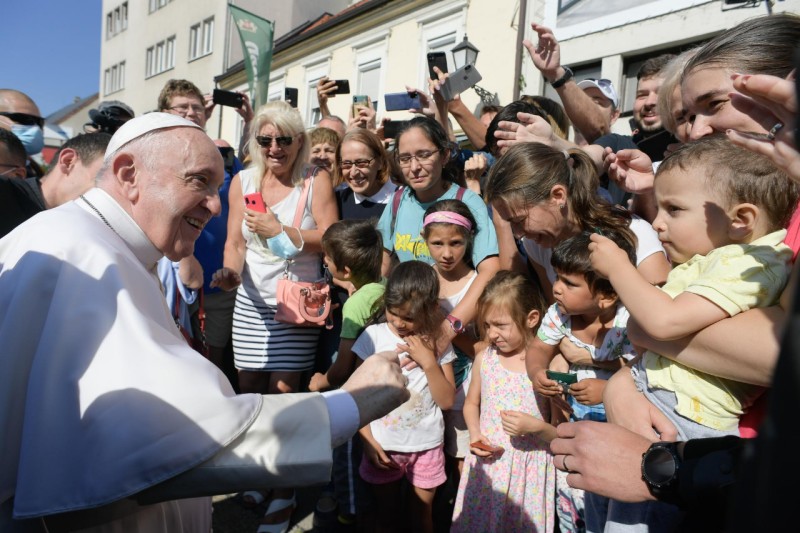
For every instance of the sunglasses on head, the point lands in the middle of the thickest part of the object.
(24, 119)
(265, 141)
(602, 82)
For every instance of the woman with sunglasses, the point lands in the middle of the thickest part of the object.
(269, 355)
(423, 153)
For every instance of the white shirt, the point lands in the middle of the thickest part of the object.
(417, 425)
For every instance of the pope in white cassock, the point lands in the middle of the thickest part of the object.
(108, 420)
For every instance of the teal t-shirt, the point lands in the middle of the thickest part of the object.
(407, 241)
(358, 309)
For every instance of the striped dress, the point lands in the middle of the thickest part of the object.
(259, 342)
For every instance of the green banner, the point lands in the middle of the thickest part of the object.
(256, 35)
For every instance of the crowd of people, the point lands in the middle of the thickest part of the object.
(530, 331)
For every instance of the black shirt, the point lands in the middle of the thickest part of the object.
(20, 199)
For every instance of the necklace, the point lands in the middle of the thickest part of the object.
(99, 214)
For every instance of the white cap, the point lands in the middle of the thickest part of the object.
(136, 127)
(605, 87)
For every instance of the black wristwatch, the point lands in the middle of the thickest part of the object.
(660, 465)
(563, 79)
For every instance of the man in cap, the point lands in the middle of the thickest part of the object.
(104, 408)
(108, 117)
(591, 105)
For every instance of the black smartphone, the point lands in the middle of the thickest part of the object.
(402, 101)
(228, 98)
(391, 128)
(342, 87)
(437, 59)
(290, 95)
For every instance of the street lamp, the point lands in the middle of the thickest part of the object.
(464, 53)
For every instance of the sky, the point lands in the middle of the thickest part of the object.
(51, 49)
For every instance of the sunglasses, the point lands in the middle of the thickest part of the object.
(602, 82)
(24, 119)
(265, 141)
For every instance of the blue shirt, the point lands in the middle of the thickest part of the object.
(210, 246)
(408, 242)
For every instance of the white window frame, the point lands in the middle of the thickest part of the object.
(277, 85)
(371, 55)
(160, 57)
(201, 39)
(155, 5)
(313, 72)
(437, 27)
(117, 20)
(114, 78)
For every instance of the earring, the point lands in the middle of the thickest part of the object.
(561, 206)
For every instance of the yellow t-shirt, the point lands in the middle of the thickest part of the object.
(736, 277)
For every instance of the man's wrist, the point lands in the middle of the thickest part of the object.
(553, 75)
(565, 74)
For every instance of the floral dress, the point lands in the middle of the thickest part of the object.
(515, 491)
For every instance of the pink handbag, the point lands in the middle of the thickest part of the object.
(303, 303)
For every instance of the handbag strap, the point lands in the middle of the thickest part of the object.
(301, 209)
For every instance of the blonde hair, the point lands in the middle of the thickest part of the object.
(672, 74)
(288, 122)
(514, 293)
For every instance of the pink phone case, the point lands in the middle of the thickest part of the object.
(255, 202)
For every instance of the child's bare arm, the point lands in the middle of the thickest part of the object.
(517, 424)
(629, 408)
(344, 366)
(472, 409)
(537, 359)
(657, 313)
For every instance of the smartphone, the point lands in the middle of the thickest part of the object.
(565, 379)
(342, 87)
(255, 202)
(487, 448)
(460, 80)
(359, 100)
(402, 101)
(391, 128)
(290, 95)
(228, 98)
(437, 59)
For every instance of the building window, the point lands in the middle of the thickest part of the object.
(201, 39)
(114, 78)
(160, 57)
(370, 56)
(117, 20)
(155, 5)
(440, 34)
(313, 74)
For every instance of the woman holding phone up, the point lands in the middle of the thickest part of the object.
(269, 355)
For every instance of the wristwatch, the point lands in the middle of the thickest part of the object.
(660, 465)
(563, 79)
(456, 324)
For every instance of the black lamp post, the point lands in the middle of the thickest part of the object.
(464, 53)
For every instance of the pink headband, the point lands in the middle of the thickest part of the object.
(448, 217)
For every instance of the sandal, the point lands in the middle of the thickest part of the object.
(277, 505)
(252, 498)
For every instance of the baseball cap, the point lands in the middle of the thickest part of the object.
(605, 86)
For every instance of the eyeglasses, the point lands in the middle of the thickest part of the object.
(265, 141)
(184, 109)
(24, 119)
(602, 82)
(421, 157)
(358, 163)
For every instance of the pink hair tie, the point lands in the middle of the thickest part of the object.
(448, 217)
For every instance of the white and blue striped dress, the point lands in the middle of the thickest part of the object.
(259, 342)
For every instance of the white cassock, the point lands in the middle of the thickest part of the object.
(101, 398)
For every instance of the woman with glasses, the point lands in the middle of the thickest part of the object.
(364, 167)
(423, 153)
(269, 355)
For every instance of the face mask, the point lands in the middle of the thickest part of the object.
(32, 137)
(282, 246)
